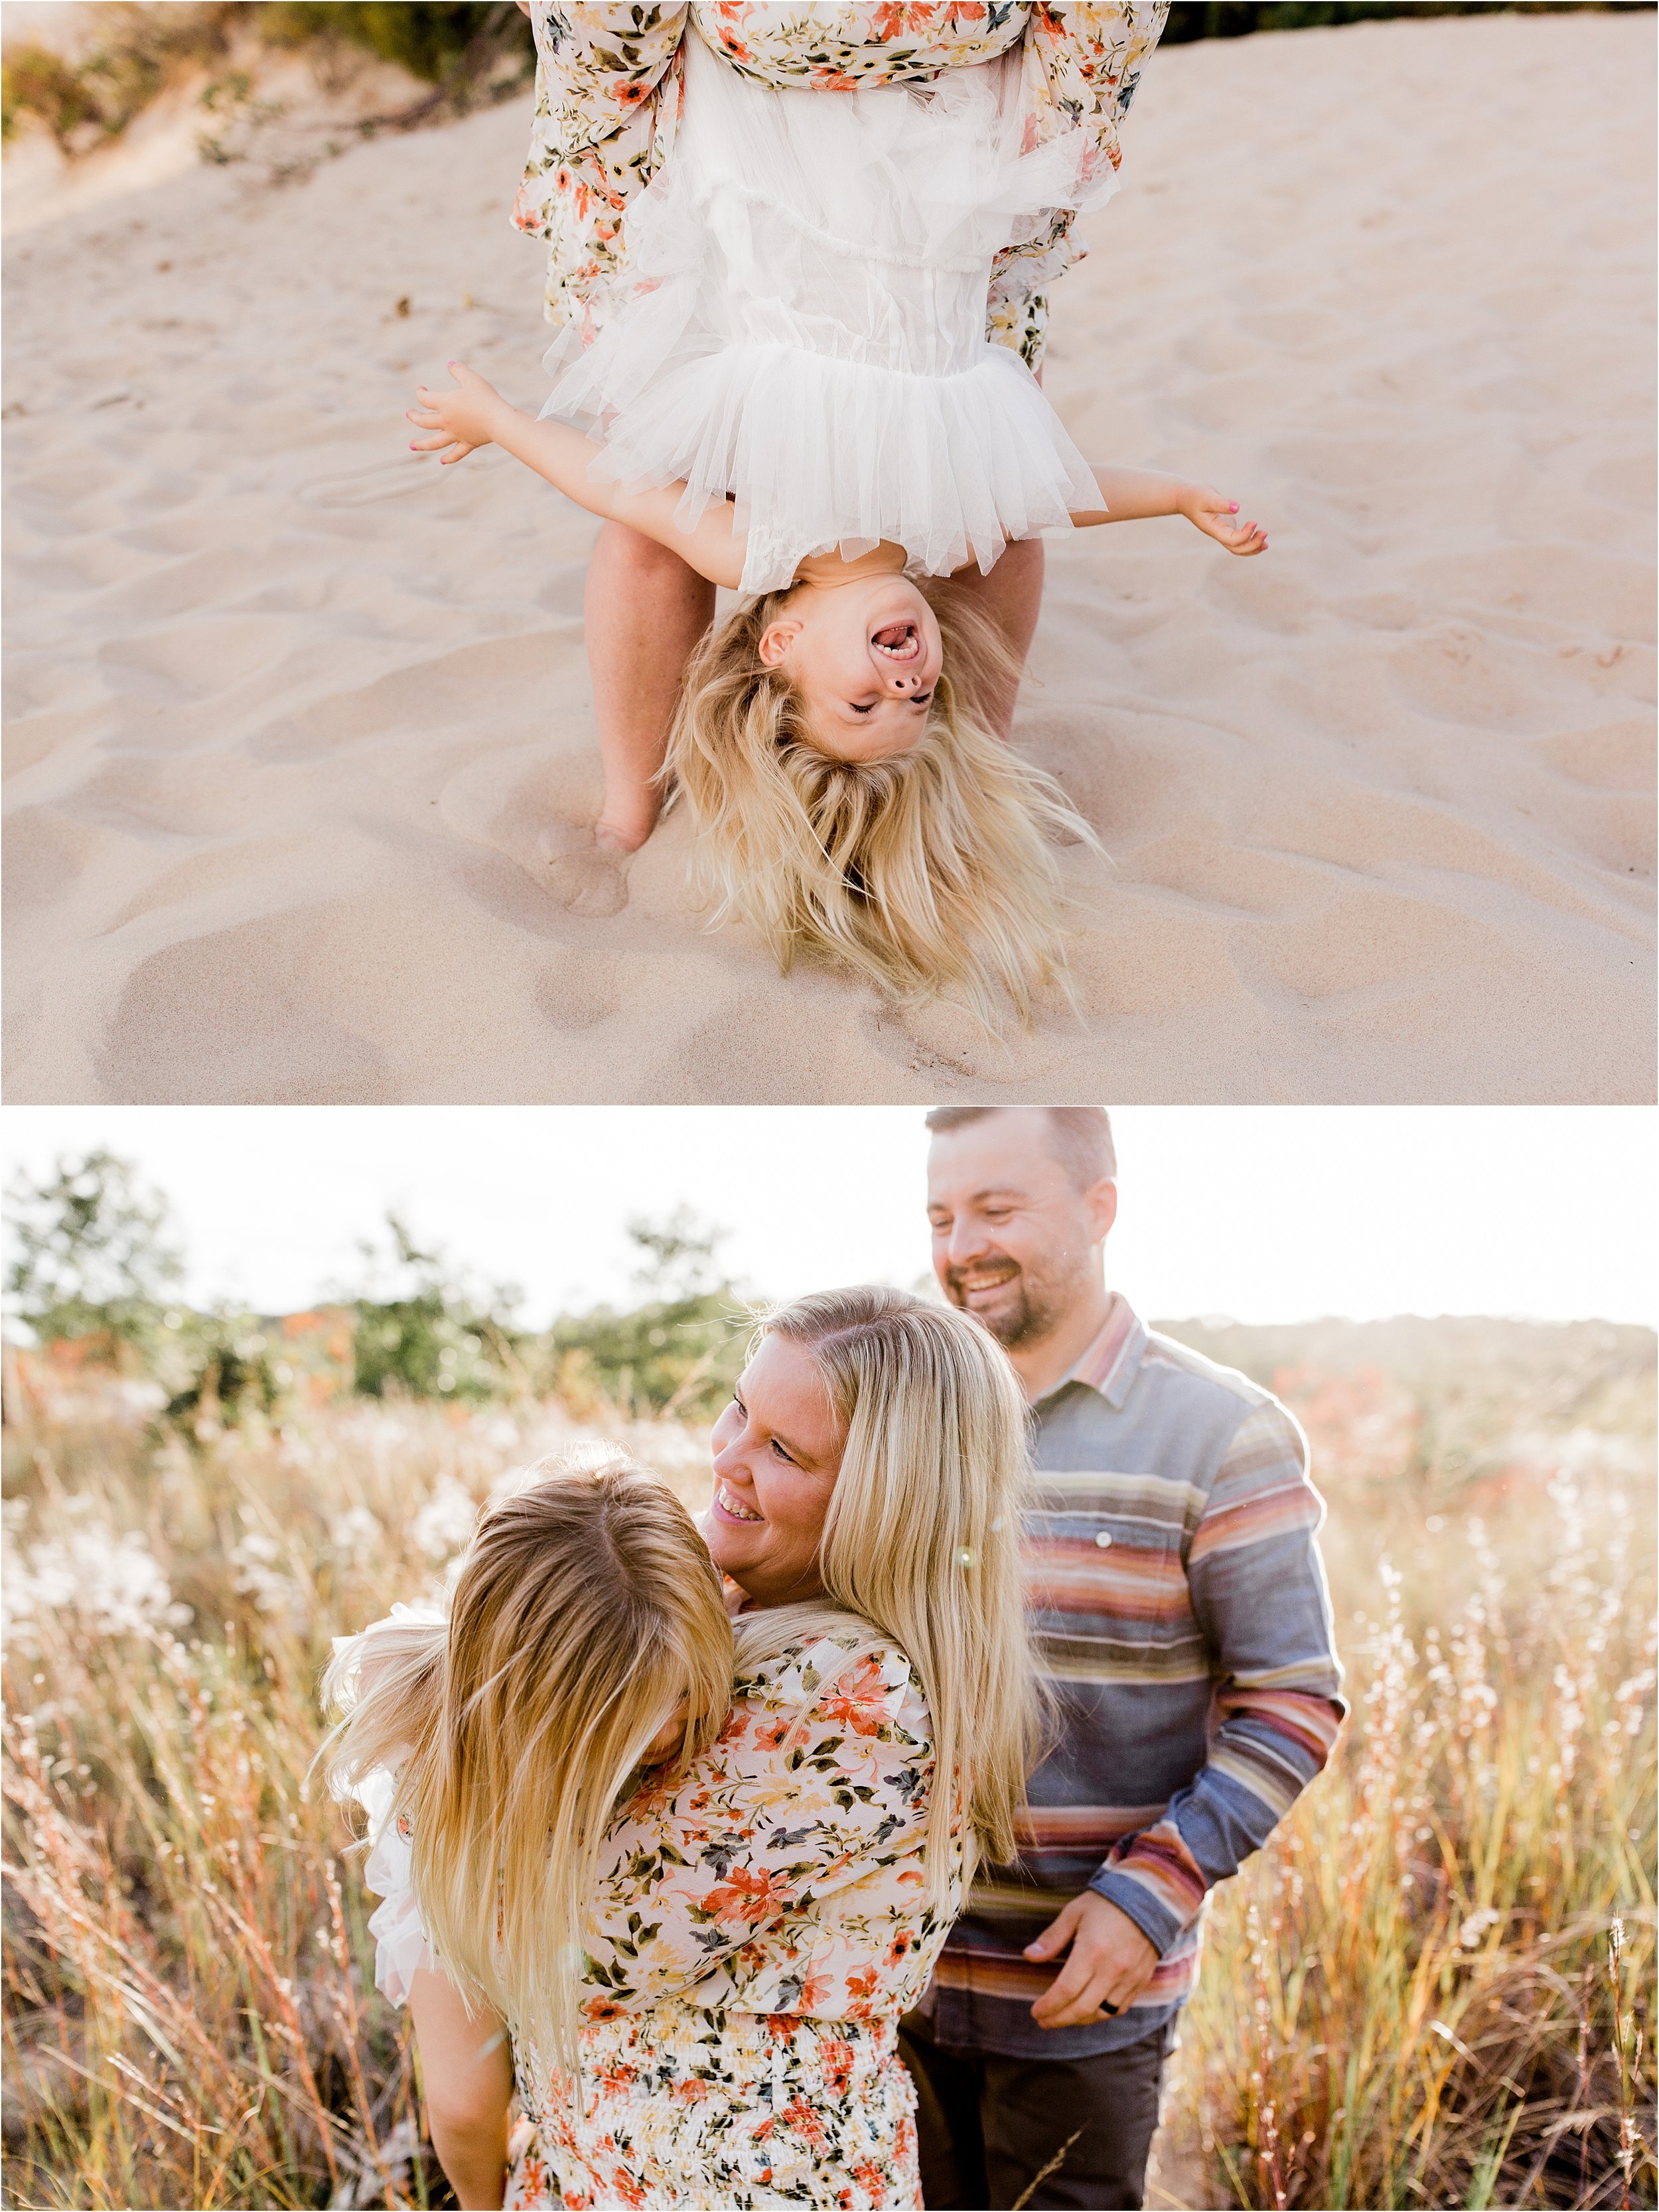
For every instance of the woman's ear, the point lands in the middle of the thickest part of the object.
(777, 638)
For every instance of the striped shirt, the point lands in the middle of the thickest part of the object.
(1178, 1602)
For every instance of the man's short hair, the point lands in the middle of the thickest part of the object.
(1081, 1137)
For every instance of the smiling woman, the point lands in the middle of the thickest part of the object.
(777, 1452)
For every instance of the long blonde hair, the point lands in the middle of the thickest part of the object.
(587, 1607)
(921, 1540)
(930, 873)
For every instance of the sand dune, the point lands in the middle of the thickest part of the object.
(301, 738)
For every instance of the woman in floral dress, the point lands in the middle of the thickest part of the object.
(610, 81)
(762, 1908)
(780, 373)
(608, 85)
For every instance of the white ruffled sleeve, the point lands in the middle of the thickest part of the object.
(401, 1945)
(400, 1937)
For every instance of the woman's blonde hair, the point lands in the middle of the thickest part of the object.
(587, 1607)
(931, 874)
(921, 1540)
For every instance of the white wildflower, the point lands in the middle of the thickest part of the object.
(113, 1584)
(280, 1596)
(444, 1522)
(355, 1535)
(1476, 1926)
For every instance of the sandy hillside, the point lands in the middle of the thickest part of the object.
(296, 721)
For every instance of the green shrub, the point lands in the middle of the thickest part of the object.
(140, 49)
(433, 1335)
(92, 1253)
(36, 82)
(681, 1351)
(439, 44)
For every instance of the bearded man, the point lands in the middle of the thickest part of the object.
(1179, 1605)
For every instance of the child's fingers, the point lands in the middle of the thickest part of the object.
(1236, 537)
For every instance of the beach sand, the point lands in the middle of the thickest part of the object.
(299, 725)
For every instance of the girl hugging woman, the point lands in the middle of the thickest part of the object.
(779, 380)
(666, 1879)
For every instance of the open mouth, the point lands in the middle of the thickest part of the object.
(898, 640)
(733, 1507)
(979, 1280)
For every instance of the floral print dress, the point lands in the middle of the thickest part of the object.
(761, 1919)
(609, 81)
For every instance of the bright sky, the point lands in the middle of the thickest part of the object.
(1263, 1213)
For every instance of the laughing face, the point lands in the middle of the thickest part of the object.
(1016, 1243)
(865, 654)
(777, 1453)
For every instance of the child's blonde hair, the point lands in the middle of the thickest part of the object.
(585, 1609)
(921, 1540)
(930, 872)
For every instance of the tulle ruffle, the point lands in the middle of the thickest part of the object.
(801, 323)
(401, 1947)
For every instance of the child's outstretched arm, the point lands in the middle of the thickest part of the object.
(475, 414)
(1136, 494)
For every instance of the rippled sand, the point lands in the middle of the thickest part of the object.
(300, 729)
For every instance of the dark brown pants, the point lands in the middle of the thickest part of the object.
(989, 2125)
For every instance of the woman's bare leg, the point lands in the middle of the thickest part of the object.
(1011, 595)
(644, 612)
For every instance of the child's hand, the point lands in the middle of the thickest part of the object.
(1206, 510)
(461, 419)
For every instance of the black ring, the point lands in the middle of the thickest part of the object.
(1105, 2007)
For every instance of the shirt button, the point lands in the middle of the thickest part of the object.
(1103, 1540)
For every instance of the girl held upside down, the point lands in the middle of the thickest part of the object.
(793, 392)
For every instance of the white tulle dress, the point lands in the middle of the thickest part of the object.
(799, 322)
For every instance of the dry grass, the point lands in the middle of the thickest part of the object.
(1407, 1999)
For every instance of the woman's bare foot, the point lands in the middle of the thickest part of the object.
(624, 828)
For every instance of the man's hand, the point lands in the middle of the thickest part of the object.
(460, 421)
(1111, 1963)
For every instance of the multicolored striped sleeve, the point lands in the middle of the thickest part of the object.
(1257, 1588)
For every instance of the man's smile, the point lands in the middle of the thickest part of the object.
(988, 1275)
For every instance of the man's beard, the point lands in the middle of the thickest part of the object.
(1025, 1311)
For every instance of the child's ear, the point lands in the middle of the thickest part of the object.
(776, 639)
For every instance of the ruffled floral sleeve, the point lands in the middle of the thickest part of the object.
(779, 1816)
(1079, 64)
(607, 94)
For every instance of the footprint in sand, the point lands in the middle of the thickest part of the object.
(495, 801)
(589, 881)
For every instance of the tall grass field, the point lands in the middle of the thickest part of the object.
(1435, 1987)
